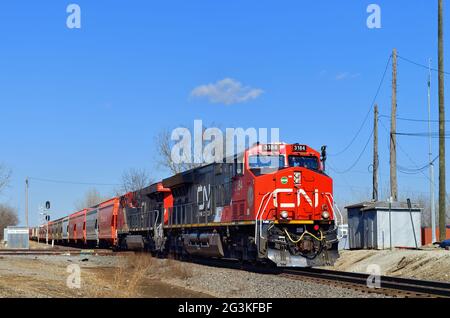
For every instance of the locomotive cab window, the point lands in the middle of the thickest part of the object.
(304, 162)
(263, 164)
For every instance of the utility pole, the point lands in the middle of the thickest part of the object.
(393, 144)
(430, 158)
(26, 202)
(442, 192)
(375, 154)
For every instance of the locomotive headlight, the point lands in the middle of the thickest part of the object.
(284, 214)
(325, 215)
(297, 177)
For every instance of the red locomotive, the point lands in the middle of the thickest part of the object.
(274, 202)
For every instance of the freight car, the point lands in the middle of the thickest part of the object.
(273, 204)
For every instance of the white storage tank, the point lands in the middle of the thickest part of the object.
(384, 225)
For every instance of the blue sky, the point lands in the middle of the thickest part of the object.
(86, 104)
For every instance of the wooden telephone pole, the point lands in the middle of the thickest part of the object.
(442, 192)
(375, 154)
(393, 144)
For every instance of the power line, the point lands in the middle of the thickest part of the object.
(73, 182)
(359, 157)
(423, 134)
(420, 65)
(413, 119)
(416, 170)
(368, 113)
(407, 155)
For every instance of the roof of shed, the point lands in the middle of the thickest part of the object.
(383, 205)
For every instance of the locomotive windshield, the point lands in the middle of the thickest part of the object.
(262, 164)
(304, 162)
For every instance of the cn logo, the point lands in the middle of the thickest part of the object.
(203, 197)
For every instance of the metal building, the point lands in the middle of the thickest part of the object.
(18, 237)
(384, 225)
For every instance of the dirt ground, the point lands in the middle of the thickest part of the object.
(100, 276)
(428, 264)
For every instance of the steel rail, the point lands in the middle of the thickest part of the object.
(408, 285)
(102, 252)
(389, 285)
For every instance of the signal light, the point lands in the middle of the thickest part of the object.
(316, 227)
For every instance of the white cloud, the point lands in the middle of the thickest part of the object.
(227, 91)
(346, 75)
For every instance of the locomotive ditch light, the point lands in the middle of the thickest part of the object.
(284, 215)
(325, 215)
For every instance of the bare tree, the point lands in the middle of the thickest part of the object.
(134, 179)
(8, 217)
(164, 145)
(5, 177)
(91, 198)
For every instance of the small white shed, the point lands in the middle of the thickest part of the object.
(384, 225)
(18, 237)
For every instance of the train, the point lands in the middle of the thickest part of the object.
(272, 204)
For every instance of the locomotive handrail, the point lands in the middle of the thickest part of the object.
(181, 218)
(260, 214)
(328, 195)
(143, 219)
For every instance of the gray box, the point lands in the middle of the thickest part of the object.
(371, 225)
(18, 237)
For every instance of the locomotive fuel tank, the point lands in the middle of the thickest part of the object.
(203, 244)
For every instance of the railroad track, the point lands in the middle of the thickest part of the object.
(389, 285)
(71, 251)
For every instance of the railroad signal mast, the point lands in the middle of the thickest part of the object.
(45, 217)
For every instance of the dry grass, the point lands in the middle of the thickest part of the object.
(179, 270)
(132, 272)
(127, 277)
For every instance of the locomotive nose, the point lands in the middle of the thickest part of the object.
(297, 195)
(285, 194)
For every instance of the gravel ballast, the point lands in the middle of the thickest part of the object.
(222, 282)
